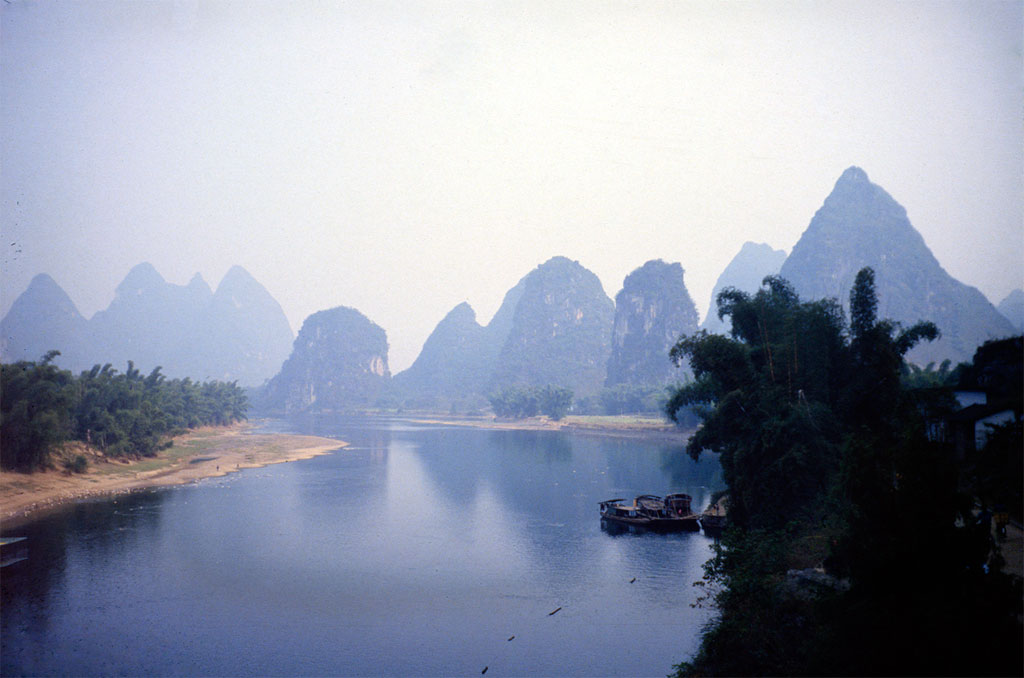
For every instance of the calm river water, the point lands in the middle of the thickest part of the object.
(417, 550)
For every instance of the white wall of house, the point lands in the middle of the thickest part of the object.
(981, 430)
(968, 398)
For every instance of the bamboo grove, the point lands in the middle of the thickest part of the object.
(832, 474)
(123, 414)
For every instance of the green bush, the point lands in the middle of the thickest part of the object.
(77, 464)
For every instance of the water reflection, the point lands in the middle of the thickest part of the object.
(416, 550)
(78, 537)
(703, 477)
(552, 446)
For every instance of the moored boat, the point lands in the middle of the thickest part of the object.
(681, 507)
(13, 550)
(650, 512)
(713, 517)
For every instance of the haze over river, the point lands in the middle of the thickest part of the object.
(416, 550)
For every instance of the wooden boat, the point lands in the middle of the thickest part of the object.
(713, 517)
(680, 506)
(12, 550)
(650, 512)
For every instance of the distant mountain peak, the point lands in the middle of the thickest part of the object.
(860, 225)
(462, 312)
(454, 361)
(43, 317)
(853, 175)
(656, 266)
(141, 277)
(651, 311)
(197, 285)
(44, 290)
(745, 272)
(237, 278)
(244, 335)
(237, 271)
(1012, 308)
(759, 247)
(43, 281)
(854, 192)
(339, 362)
(560, 332)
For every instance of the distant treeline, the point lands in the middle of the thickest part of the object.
(123, 414)
(634, 399)
(518, 403)
(555, 402)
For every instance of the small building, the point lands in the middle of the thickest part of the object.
(971, 426)
(989, 394)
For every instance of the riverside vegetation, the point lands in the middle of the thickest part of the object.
(832, 474)
(124, 415)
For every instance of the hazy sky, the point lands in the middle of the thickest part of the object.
(401, 158)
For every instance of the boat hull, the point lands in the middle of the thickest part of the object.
(680, 524)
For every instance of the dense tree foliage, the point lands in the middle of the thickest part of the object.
(519, 403)
(36, 401)
(124, 415)
(828, 464)
(917, 377)
(632, 399)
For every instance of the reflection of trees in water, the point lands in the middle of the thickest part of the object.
(93, 531)
(700, 478)
(558, 475)
(643, 467)
(457, 461)
(683, 470)
(26, 587)
(553, 446)
(527, 470)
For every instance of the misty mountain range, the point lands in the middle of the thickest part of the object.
(555, 326)
(238, 333)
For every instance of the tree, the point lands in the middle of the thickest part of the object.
(826, 461)
(35, 412)
(766, 397)
(124, 415)
(555, 401)
(519, 403)
(632, 399)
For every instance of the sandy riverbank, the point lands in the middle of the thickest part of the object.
(202, 453)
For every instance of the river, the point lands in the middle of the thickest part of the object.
(416, 550)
